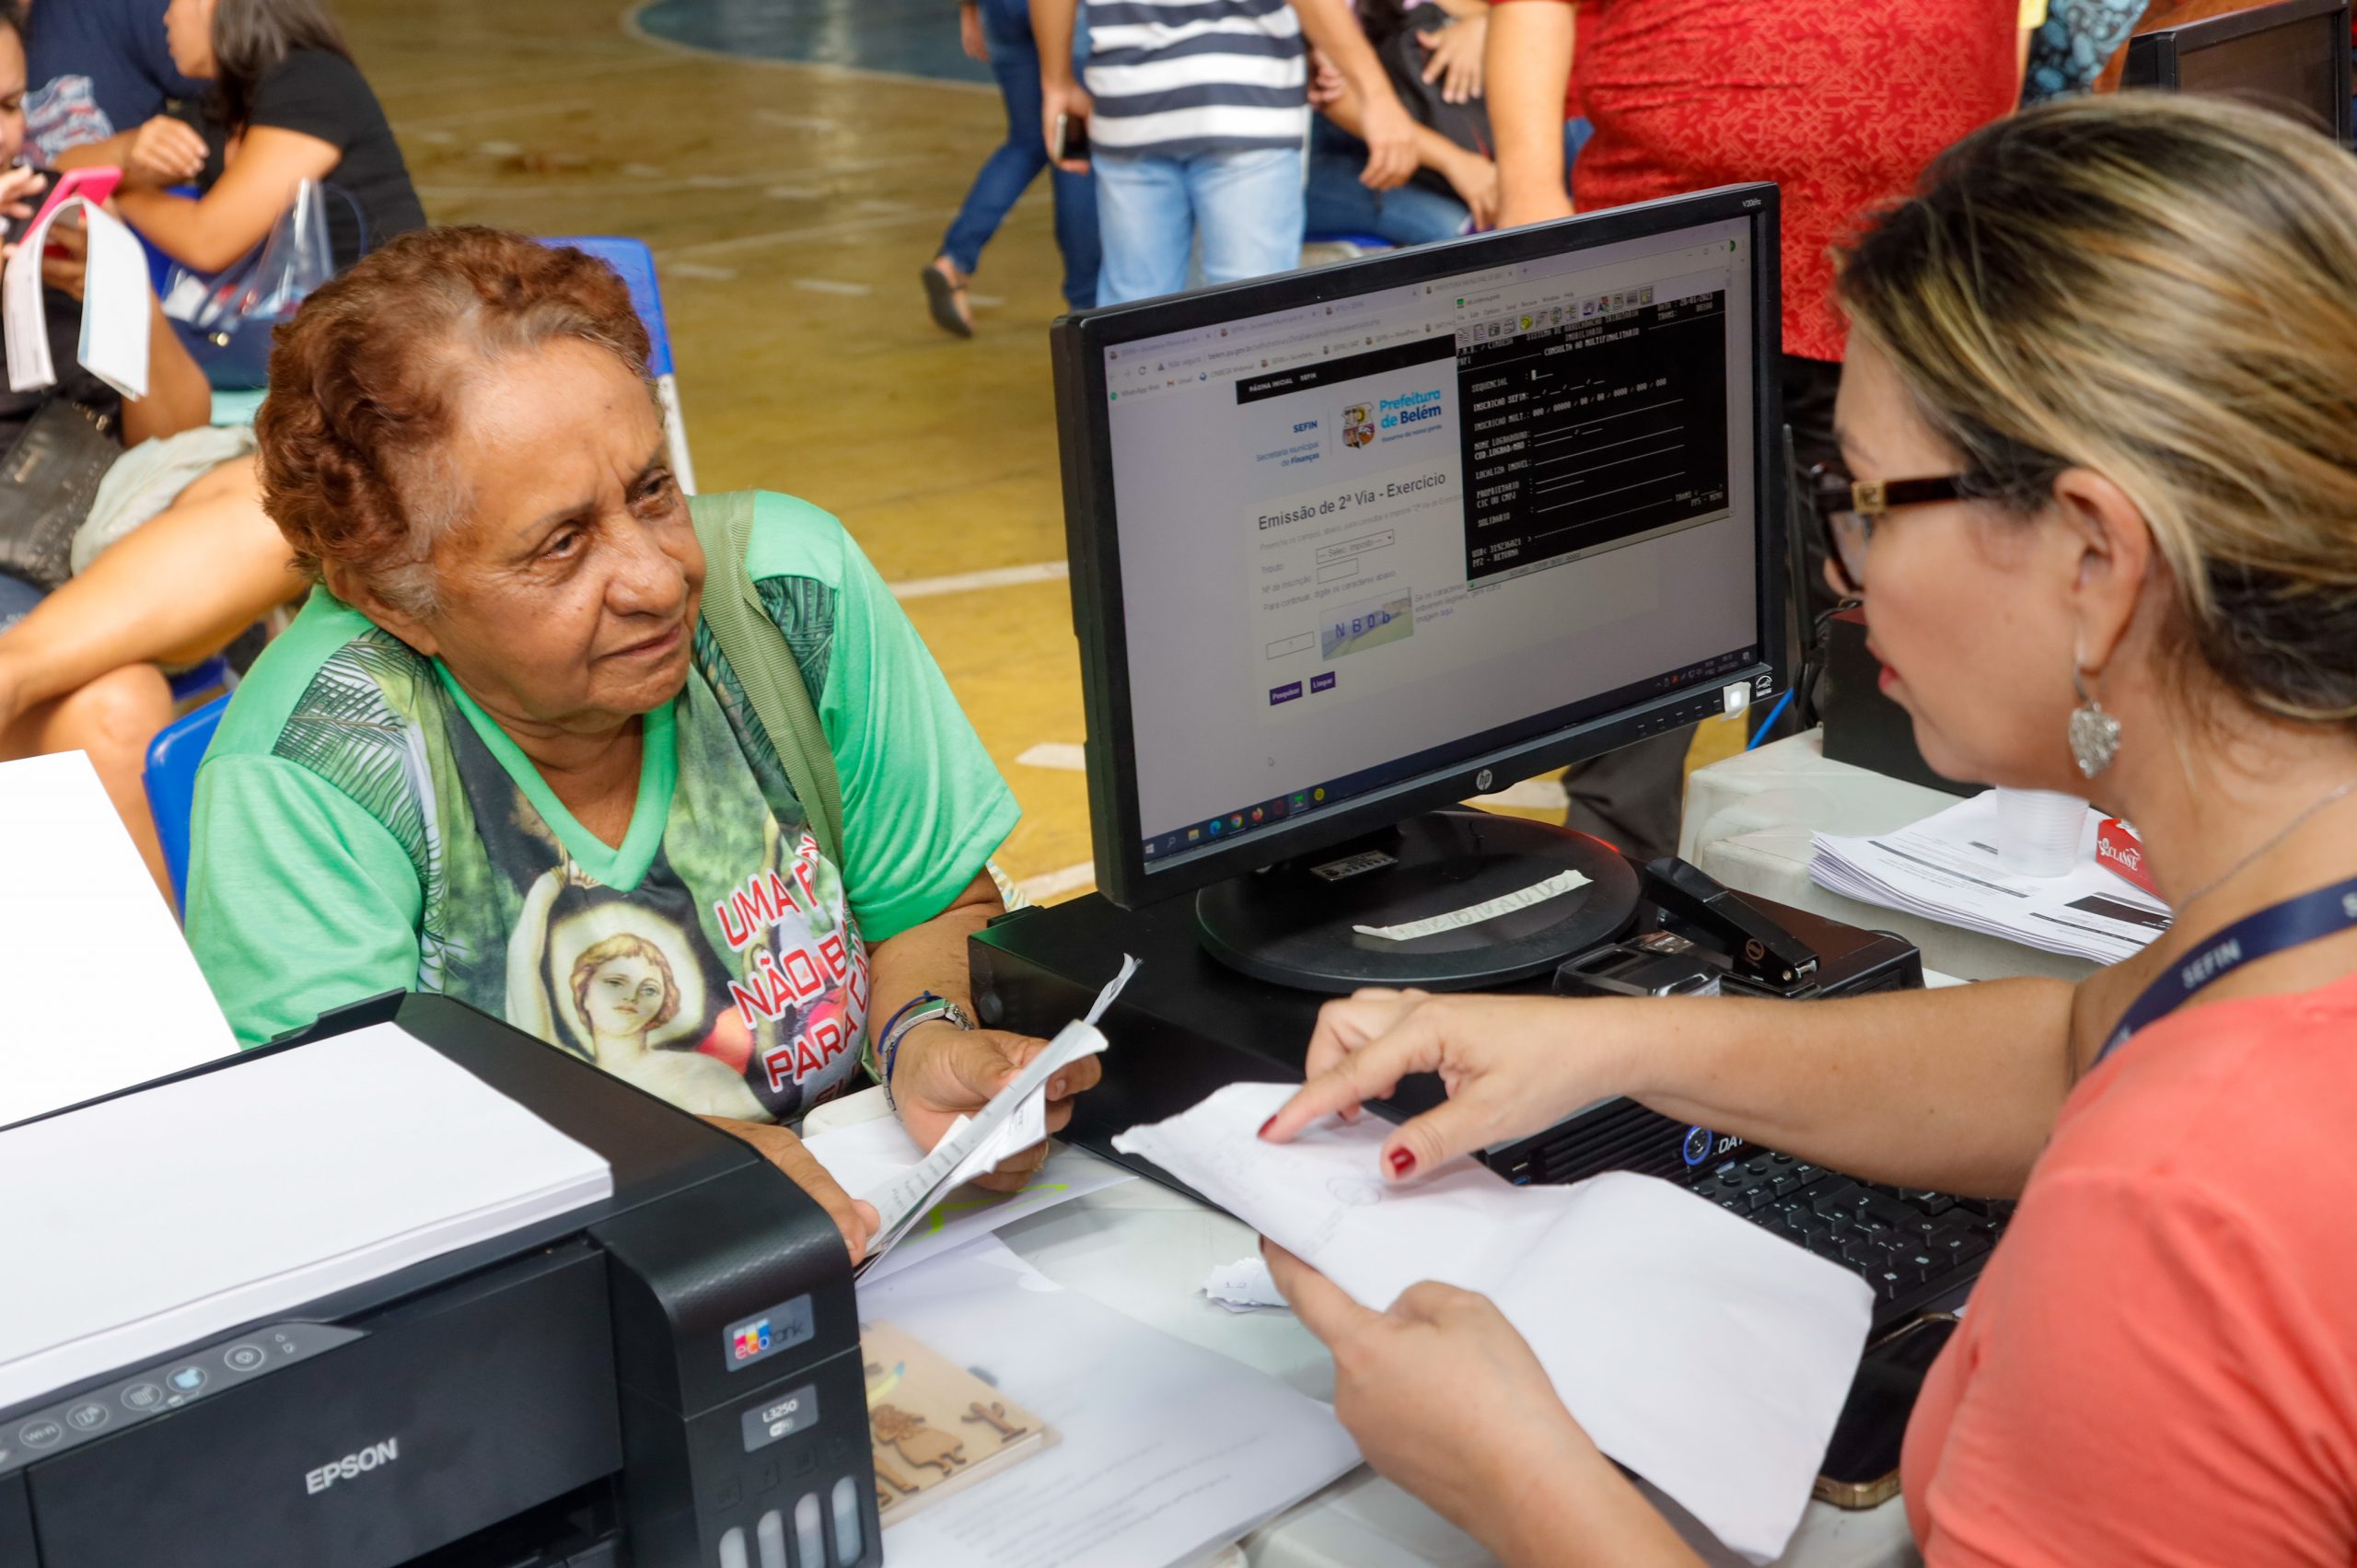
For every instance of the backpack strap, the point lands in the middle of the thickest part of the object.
(765, 664)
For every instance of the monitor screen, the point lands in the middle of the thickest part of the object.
(1442, 509)
(2295, 65)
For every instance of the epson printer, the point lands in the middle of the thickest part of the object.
(670, 1378)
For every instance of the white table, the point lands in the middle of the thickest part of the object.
(1144, 1250)
(1750, 820)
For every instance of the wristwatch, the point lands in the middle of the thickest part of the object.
(926, 1009)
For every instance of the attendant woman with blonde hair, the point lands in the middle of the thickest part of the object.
(2100, 418)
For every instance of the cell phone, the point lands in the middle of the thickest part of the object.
(1071, 138)
(97, 184)
(1860, 1467)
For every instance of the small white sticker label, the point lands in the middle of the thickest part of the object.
(1554, 886)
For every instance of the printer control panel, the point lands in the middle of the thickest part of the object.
(166, 1386)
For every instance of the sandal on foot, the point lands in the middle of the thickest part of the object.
(941, 297)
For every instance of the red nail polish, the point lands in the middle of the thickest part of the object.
(1264, 1128)
(1402, 1162)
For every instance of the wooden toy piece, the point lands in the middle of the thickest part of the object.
(994, 1414)
(900, 1481)
(917, 1443)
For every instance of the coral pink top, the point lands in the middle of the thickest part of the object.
(2160, 1364)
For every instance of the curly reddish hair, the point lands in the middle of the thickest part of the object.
(365, 385)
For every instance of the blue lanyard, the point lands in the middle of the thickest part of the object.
(2325, 912)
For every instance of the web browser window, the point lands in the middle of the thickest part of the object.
(1360, 537)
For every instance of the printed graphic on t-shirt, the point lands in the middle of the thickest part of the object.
(730, 979)
(64, 114)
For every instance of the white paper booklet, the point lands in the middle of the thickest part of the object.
(109, 994)
(1168, 1451)
(115, 314)
(156, 1219)
(1644, 1303)
(1015, 1119)
(1945, 868)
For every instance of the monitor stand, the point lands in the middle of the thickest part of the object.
(1295, 924)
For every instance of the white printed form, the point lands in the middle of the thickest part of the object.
(1014, 1119)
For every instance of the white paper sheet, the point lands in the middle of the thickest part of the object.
(115, 317)
(1168, 1451)
(1245, 1286)
(108, 993)
(1945, 868)
(867, 1155)
(158, 1218)
(1644, 1303)
(973, 1146)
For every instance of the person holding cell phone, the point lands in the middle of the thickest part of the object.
(2098, 427)
(998, 32)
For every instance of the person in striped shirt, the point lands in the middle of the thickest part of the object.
(1197, 111)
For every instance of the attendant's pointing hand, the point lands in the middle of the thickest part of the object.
(1511, 1065)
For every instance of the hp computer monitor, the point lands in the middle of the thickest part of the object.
(1351, 544)
(2292, 55)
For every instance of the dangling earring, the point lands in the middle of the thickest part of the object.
(2095, 735)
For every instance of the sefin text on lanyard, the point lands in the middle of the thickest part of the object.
(2292, 924)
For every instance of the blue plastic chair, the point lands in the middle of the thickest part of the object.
(636, 262)
(170, 780)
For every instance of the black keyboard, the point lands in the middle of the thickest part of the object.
(1913, 1248)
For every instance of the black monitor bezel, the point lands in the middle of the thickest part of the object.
(2155, 58)
(1078, 344)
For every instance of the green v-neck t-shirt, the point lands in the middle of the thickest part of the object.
(362, 826)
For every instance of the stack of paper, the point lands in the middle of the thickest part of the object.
(1945, 868)
(109, 995)
(156, 1219)
(1644, 1303)
(1168, 1451)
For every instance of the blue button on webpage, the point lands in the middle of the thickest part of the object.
(1322, 682)
(1284, 693)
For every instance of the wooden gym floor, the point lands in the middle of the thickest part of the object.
(794, 164)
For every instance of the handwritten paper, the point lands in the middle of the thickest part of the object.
(1554, 886)
(1644, 1302)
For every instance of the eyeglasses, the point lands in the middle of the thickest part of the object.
(1847, 509)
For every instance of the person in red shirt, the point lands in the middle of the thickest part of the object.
(1840, 102)
(2116, 334)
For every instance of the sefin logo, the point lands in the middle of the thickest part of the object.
(352, 1466)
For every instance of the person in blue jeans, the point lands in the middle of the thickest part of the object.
(1197, 114)
(998, 32)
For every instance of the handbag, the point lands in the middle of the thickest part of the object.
(765, 664)
(50, 478)
(1392, 32)
(226, 318)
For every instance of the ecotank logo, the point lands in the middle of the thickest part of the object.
(353, 1464)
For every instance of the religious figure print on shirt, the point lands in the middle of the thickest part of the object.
(730, 978)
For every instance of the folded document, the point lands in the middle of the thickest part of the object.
(1644, 1303)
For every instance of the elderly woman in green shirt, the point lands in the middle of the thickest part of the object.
(501, 755)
